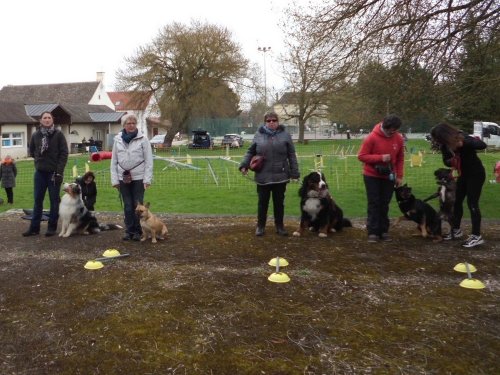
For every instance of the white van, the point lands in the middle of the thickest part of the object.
(489, 132)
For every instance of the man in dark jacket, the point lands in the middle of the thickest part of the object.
(49, 148)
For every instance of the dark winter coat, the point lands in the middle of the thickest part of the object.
(280, 163)
(8, 173)
(55, 158)
(89, 193)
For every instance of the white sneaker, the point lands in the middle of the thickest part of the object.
(455, 233)
(473, 240)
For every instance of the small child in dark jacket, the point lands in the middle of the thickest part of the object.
(89, 189)
(8, 173)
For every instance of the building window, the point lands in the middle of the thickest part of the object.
(12, 139)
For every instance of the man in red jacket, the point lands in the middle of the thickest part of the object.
(382, 154)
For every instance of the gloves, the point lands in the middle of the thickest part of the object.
(58, 178)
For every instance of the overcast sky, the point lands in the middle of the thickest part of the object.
(57, 41)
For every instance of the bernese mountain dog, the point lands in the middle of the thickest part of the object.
(74, 215)
(319, 212)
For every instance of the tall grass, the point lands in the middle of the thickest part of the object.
(217, 187)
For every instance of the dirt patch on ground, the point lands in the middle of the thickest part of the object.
(200, 303)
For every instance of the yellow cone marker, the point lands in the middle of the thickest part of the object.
(462, 267)
(281, 261)
(93, 265)
(110, 253)
(469, 282)
(278, 277)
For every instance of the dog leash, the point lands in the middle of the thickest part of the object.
(435, 195)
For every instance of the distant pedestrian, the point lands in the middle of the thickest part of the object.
(8, 173)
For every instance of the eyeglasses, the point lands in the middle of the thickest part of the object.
(272, 120)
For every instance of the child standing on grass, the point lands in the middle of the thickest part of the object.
(8, 173)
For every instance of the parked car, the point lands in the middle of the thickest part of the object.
(233, 140)
(201, 139)
(158, 140)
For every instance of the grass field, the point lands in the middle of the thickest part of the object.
(216, 186)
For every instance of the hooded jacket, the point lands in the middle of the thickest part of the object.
(128, 156)
(280, 162)
(376, 144)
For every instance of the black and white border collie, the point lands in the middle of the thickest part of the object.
(319, 212)
(74, 215)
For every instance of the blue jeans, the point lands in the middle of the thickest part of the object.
(43, 182)
(379, 194)
(131, 194)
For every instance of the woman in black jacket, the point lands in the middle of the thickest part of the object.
(49, 149)
(280, 165)
(459, 153)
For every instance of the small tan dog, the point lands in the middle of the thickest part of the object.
(150, 224)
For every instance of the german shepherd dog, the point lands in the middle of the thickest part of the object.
(319, 212)
(74, 215)
(151, 225)
(426, 217)
(446, 193)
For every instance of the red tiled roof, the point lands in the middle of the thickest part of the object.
(130, 100)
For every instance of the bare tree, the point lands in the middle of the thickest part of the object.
(431, 32)
(186, 67)
(313, 67)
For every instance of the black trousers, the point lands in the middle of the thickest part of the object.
(378, 194)
(10, 194)
(471, 188)
(264, 193)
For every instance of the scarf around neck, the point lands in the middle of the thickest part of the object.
(127, 137)
(270, 131)
(46, 133)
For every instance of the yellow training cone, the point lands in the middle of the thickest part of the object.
(93, 265)
(279, 277)
(462, 267)
(111, 253)
(472, 284)
(281, 262)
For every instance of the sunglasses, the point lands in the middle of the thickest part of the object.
(272, 120)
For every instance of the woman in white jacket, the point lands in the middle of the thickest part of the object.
(131, 172)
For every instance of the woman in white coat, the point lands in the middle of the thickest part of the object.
(131, 172)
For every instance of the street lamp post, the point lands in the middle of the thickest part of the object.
(264, 50)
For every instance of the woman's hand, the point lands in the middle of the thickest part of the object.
(244, 171)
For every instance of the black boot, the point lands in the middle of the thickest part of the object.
(280, 229)
(259, 231)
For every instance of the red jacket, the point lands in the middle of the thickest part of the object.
(377, 144)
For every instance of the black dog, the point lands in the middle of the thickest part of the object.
(446, 193)
(319, 212)
(427, 219)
